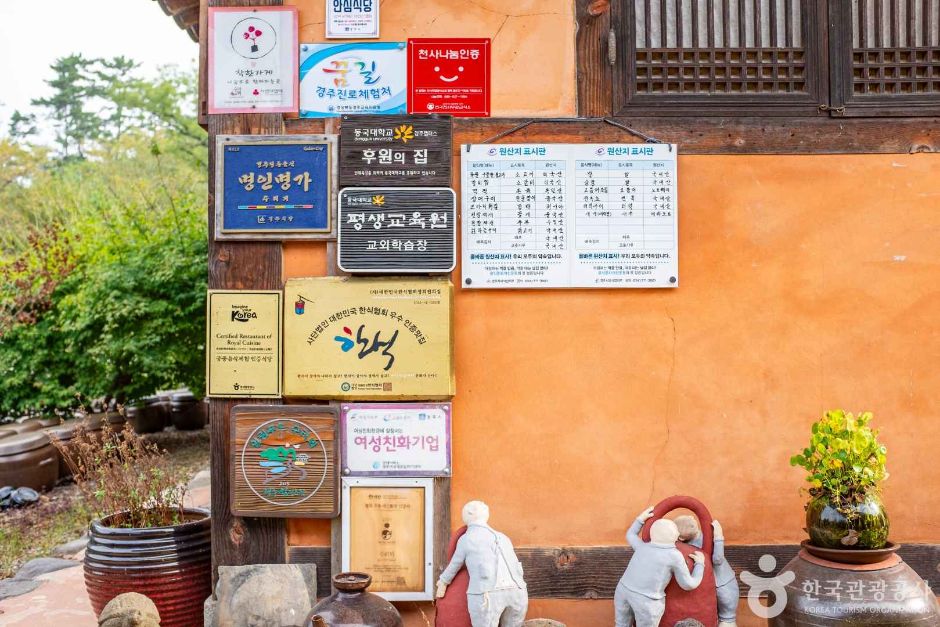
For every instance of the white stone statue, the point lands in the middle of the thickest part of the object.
(497, 595)
(725, 580)
(641, 593)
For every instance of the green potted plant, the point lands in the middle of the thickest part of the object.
(144, 538)
(845, 465)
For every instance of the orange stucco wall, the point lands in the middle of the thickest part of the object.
(806, 283)
(533, 43)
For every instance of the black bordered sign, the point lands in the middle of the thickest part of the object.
(397, 230)
(396, 151)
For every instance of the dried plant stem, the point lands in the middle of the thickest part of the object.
(123, 476)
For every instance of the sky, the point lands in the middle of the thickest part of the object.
(137, 29)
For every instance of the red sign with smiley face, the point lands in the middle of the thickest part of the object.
(449, 76)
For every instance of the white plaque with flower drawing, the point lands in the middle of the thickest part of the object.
(252, 60)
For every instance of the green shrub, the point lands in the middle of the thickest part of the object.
(103, 266)
(844, 460)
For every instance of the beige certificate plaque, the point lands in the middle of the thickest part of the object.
(386, 533)
(243, 344)
(369, 339)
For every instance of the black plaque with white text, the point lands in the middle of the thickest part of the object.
(397, 230)
(395, 151)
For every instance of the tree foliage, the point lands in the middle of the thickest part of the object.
(103, 244)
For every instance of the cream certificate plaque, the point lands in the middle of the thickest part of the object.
(243, 344)
(387, 527)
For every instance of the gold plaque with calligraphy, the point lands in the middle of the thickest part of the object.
(243, 344)
(369, 339)
(386, 533)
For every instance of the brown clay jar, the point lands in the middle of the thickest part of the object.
(352, 606)
(150, 415)
(187, 413)
(28, 460)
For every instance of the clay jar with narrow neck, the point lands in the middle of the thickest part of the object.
(352, 606)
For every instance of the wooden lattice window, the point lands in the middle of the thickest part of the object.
(776, 57)
(702, 57)
(886, 57)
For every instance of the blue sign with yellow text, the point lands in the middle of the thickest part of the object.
(275, 188)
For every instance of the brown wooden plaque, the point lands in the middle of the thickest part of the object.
(284, 461)
(395, 150)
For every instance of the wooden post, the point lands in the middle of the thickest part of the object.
(594, 71)
(251, 266)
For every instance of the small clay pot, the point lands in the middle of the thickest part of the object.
(29, 460)
(352, 606)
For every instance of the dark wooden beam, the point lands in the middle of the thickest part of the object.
(713, 136)
(592, 572)
(594, 75)
(727, 135)
(239, 265)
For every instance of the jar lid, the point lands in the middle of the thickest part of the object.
(65, 431)
(183, 397)
(352, 582)
(22, 427)
(23, 443)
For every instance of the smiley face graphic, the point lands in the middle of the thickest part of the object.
(448, 79)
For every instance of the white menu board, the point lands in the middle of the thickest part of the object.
(569, 215)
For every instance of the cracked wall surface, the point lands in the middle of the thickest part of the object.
(533, 44)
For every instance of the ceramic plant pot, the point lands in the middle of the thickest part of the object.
(866, 527)
(171, 565)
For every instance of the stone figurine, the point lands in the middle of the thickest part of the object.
(640, 595)
(129, 610)
(725, 581)
(496, 595)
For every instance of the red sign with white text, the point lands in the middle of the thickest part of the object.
(450, 76)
